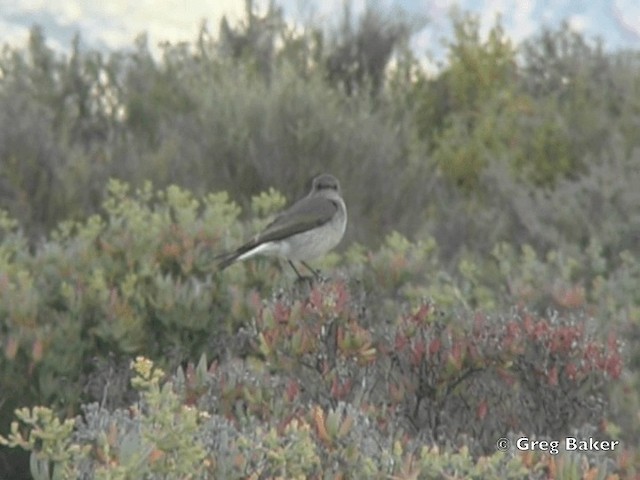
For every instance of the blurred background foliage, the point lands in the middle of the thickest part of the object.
(507, 178)
(504, 142)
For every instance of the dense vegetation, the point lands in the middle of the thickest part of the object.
(486, 288)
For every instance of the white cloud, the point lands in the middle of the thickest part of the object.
(68, 12)
(578, 23)
(117, 22)
(23, 5)
(167, 20)
(515, 17)
(523, 23)
(13, 34)
(627, 15)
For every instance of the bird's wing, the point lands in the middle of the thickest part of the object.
(308, 213)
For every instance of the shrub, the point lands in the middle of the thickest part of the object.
(457, 372)
(169, 432)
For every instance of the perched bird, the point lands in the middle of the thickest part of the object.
(308, 229)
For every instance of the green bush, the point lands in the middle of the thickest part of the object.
(123, 283)
(171, 433)
(500, 191)
(497, 123)
(140, 279)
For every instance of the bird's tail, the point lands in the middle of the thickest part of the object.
(226, 259)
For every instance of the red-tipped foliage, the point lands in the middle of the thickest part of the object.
(444, 379)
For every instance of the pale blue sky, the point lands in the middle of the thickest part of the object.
(115, 23)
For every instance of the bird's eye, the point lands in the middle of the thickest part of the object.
(325, 184)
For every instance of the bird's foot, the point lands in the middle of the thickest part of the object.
(306, 280)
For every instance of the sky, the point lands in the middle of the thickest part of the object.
(114, 24)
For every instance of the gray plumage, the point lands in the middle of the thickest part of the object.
(306, 230)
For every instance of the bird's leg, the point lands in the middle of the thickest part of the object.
(300, 277)
(306, 279)
(314, 271)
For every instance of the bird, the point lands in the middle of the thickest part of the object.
(308, 229)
